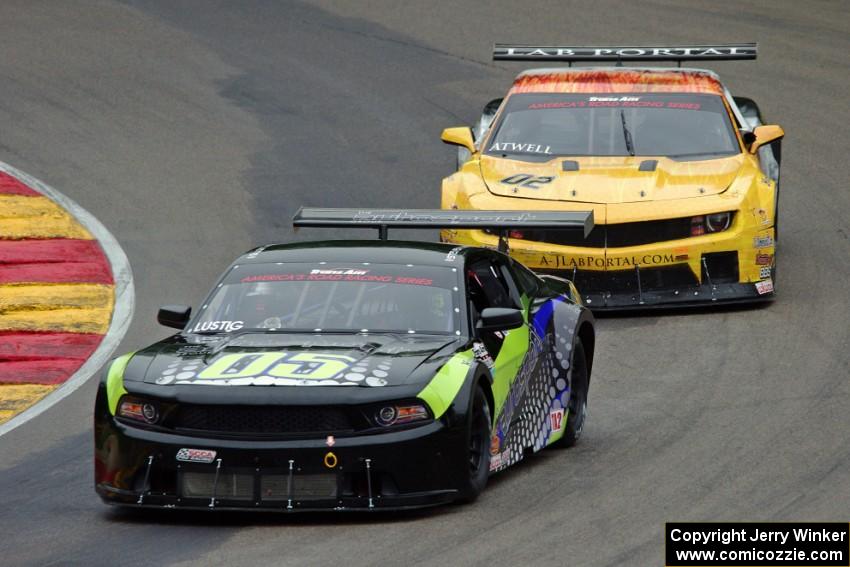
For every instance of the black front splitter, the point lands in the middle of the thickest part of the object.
(152, 501)
(703, 296)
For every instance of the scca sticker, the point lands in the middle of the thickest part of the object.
(195, 455)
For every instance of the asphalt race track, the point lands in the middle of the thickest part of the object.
(194, 129)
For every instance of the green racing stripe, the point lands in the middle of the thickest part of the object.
(446, 383)
(510, 358)
(115, 381)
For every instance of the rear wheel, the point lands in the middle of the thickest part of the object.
(478, 447)
(577, 405)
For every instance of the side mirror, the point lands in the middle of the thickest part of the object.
(765, 135)
(459, 136)
(174, 315)
(500, 319)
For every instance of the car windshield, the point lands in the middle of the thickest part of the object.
(537, 127)
(333, 298)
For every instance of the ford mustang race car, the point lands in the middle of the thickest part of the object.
(682, 177)
(350, 375)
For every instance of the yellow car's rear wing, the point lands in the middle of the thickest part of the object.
(497, 221)
(620, 53)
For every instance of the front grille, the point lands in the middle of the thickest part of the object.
(321, 486)
(720, 267)
(281, 420)
(616, 235)
(228, 486)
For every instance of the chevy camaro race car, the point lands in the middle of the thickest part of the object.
(682, 177)
(350, 375)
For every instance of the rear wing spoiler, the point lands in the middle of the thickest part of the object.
(620, 53)
(498, 221)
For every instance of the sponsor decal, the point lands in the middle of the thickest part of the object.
(526, 180)
(556, 420)
(482, 354)
(608, 53)
(763, 216)
(615, 102)
(764, 259)
(347, 276)
(342, 272)
(762, 241)
(495, 462)
(444, 218)
(195, 455)
(500, 460)
(495, 445)
(559, 261)
(519, 147)
(226, 326)
(764, 272)
(765, 286)
(413, 281)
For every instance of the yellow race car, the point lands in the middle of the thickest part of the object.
(682, 177)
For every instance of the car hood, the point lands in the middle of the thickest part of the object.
(307, 360)
(609, 179)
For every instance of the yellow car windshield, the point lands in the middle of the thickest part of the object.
(540, 126)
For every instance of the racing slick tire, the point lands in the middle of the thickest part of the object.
(478, 447)
(577, 405)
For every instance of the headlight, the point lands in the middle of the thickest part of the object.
(139, 410)
(400, 414)
(707, 224)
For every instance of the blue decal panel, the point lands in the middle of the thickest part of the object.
(536, 407)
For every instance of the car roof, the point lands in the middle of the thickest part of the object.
(375, 251)
(617, 80)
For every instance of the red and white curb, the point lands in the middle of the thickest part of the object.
(123, 306)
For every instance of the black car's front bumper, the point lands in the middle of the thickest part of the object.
(412, 468)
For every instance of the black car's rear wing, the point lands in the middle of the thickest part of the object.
(497, 221)
(620, 53)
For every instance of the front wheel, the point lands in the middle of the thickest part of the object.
(478, 447)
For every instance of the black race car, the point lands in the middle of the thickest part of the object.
(350, 375)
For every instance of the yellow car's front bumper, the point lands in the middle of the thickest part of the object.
(736, 265)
